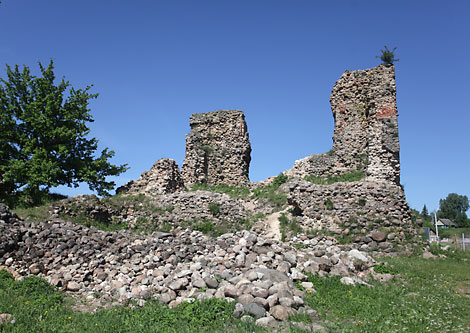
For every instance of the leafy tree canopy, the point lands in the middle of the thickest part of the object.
(44, 137)
(454, 208)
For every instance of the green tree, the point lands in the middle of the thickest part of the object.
(454, 208)
(425, 213)
(44, 137)
(388, 56)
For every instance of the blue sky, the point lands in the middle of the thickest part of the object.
(154, 63)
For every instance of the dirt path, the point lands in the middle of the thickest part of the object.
(273, 226)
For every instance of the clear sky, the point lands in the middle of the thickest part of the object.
(155, 62)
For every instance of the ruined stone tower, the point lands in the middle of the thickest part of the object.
(217, 149)
(366, 128)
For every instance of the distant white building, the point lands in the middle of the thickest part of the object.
(445, 224)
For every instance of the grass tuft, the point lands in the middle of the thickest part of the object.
(353, 176)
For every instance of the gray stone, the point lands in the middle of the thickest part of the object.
(255, 310)
(286, 301)
(261, 301)
(268, 322)
(355, 254)
(259, 292)
(211, 282)
(231, 291)
(199, 283)
(347, 281)
(239, 310)
(378, 236)
(176, 284)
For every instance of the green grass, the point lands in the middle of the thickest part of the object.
(41, 213)
(38, 307)
(33, 214)
(232, 191)
(269, 193)
(427, 296)
(88, 222)
(353, 176)
(287, 225)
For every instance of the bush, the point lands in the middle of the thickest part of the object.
(329, 204)
(279, 180)
(388, 56)
(205, 227)
(214, 208)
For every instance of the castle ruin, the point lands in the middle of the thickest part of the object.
(365, 143)
(366, 128)
(217, 149)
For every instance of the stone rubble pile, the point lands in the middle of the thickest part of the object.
(257, 273)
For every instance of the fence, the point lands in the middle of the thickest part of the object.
(463, 243)
(460, 241)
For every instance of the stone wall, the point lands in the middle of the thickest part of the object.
(366, 128)
(217, 149)
(186, 209)
(163, 178)
(318, 165)
(358, 210)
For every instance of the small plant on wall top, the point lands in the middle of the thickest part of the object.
(388, 56)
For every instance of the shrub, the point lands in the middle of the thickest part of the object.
(279, 180)
(388, 56)
(329, 204)
(205, 227)
(214, 208)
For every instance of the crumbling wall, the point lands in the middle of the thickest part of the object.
(163, 178)
(374, 213)
(217, 149)
(366, 128)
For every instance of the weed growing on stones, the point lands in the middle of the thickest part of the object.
(329, 204)
(353, 176)
(214, 208)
